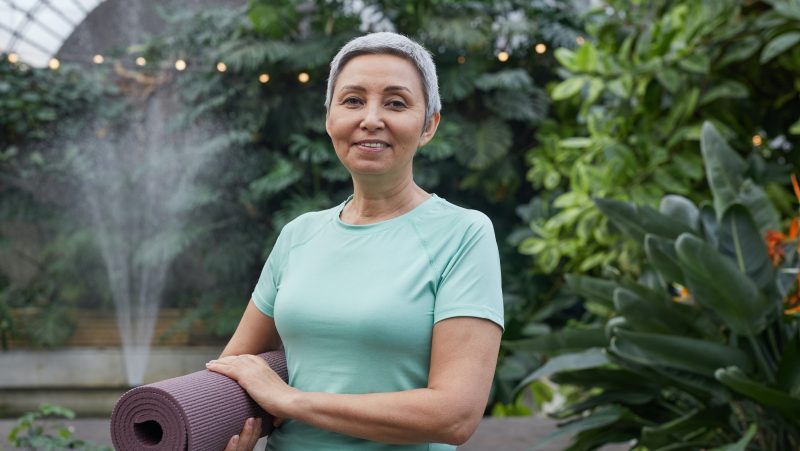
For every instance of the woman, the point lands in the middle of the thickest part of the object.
(389, 306)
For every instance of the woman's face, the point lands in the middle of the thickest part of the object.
(376, 115)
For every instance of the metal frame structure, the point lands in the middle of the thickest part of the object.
(36, 29)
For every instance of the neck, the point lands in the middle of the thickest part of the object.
(378, 202)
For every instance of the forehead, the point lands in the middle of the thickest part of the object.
(380, 70)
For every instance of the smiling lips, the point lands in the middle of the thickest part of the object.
(372, 145)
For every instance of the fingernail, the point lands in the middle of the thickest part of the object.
(235, 439)
(249, 421)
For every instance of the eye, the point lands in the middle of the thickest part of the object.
(351, 101)
(396, 104)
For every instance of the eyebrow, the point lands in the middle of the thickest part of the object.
(390, 88)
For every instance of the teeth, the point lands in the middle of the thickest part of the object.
(374, 145)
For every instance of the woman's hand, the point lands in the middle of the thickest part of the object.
(259, 381)
(246, 440)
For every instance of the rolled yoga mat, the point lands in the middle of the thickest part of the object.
(198, 411)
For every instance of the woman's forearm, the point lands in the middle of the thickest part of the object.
(414, 416)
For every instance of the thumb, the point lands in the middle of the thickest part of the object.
(277, 422)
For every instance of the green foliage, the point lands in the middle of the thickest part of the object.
(286, 166)
(714, 328)
(40, 430)
(628, 114)
(37, 105)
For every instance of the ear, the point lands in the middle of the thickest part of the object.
(430, 131)
(327, 122)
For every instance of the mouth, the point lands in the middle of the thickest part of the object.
(372, 145)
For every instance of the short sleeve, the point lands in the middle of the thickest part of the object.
(470, 284)
(267, 286)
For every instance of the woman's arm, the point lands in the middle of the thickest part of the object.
(256, 333)
(463, 359)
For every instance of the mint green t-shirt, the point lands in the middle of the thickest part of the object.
(355, 305)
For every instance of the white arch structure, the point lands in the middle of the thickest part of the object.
(36, 29)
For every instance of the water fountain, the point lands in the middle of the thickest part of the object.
(137, 178)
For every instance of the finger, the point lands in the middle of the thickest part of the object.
(232, 443)
(248, 435)
(277, 422)
(256, 433)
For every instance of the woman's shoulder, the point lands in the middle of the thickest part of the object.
(306, 225)
(449, 215)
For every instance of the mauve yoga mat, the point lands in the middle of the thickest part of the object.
(198, 411)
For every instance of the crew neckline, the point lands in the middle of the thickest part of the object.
(380, 225)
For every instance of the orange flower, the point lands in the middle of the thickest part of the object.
(796, 187)
(793, 227)
(775, 246)
(793, 310)
(683, 295)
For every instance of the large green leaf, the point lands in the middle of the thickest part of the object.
(682, 209)
(779, 45)
(647, 311)
(625, 396)
(781, 401)
(689, 354)
(608, 378)
(593, 288)
(661, 254)
(724, 168)
(741, 444)
(789, 368)
(729, 89)
(679, 429)
(637, 221)
(590, 358)
(740, 239)
(568, 339)
(568, 88)
(709, 224)
(716, 283)
(760, 206)
(598, 419)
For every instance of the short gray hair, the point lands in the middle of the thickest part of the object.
(394, 44)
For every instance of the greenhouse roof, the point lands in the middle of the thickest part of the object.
(36, 29)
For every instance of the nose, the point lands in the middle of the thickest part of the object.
(373, 117)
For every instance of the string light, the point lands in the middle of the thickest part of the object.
(221, 66)
(757, 140)
(263, 78)
(303, 77)
(53, 63)
(13, 58)
(579, 40)
(502, 56)
(180, 65)
(461, 59)
(540, 48)
(98, 59)
(140, 61)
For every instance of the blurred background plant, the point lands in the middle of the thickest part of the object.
(42, 430)
(703, 348)
(627, 115)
